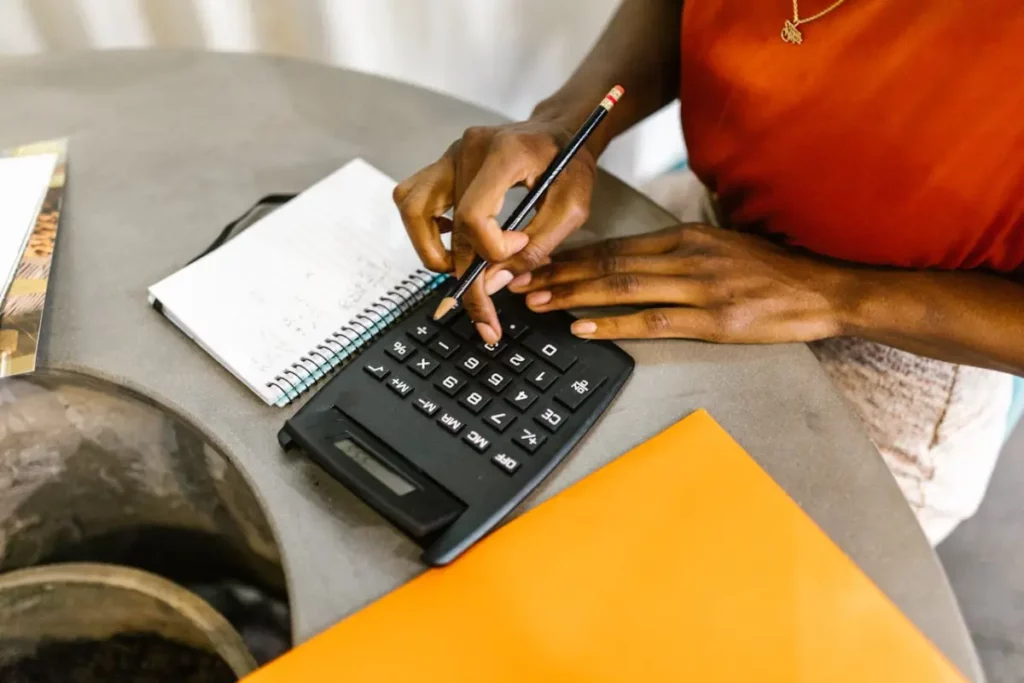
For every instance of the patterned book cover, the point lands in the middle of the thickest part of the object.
(22, 312)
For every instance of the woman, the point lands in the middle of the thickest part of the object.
(868, 158)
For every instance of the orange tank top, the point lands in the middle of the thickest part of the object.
(892, 135)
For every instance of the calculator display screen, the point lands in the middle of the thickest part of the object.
(374, 467)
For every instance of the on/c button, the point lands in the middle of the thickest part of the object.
(506, 463)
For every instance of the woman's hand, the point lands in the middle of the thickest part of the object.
(696, 282)
(472, 177)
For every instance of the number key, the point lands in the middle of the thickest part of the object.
(492, 350)
(499, 417)
(496, 381)
(471, 364)
(542, 376)
(553, 353)
(474, 401)
(399, 349)
(521, 396)
(515, 361)
(450, 384)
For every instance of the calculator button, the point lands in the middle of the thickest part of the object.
(506, 463)
(377, 370)
(499, 416)
(496, 380)
(542, 377)
(450, 423)
(471, 364)
(551, 418)
(478, 441)
(422, 332)
(399, 349)
(492, 350)
(427, 406)
(514, 328)
(464, 328)
(521, 396)
(444, 346)
(450, 384)
(581, 383)
(424, 365)
(528, 440)
(516, 361)
(551, 352)
(474, 401)
(399, 386)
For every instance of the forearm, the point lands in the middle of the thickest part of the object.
(960, 317)
(639, 49)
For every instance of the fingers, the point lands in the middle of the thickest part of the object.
(619, 289)
(679, 323)
(478, 306)
(658, 242)
(563, 210)
(505, 166)
(561, 272)
(422, 199)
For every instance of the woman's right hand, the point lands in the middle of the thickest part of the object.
(472, 178)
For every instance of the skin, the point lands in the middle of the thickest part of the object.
(690, 281)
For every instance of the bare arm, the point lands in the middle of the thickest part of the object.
(963, 317)
(638, 49)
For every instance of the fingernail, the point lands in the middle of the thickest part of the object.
(520, 281)
(487, 333)
(496, 282)
(538, 298)
(583, 328)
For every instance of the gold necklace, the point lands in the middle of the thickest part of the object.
(792, 34)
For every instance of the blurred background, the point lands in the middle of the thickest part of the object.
(521, 50)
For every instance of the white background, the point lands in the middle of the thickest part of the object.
(501, 54)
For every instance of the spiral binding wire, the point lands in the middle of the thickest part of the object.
(342, 344)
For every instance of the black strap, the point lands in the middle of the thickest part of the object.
(226, 233)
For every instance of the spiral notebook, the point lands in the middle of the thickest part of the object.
(304, 288)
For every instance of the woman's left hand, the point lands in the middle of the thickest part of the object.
(695, 282)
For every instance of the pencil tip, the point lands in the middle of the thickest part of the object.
(445, 307)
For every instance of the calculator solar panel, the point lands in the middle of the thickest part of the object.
(444, 435)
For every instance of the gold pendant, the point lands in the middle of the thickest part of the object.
(791, 34)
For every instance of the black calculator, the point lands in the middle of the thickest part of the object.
(444, 435)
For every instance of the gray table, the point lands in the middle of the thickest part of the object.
(168, 146)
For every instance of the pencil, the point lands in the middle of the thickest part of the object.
(517, 217)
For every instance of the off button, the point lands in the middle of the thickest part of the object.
(506, 463)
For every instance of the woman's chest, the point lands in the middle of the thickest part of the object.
(891, 135)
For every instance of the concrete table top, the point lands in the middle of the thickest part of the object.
(167, 147)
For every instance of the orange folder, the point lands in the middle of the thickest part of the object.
(680, 561)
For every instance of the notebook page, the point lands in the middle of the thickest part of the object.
(263, 300)
(23, 184)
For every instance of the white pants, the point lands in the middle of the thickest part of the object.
(938, 426)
